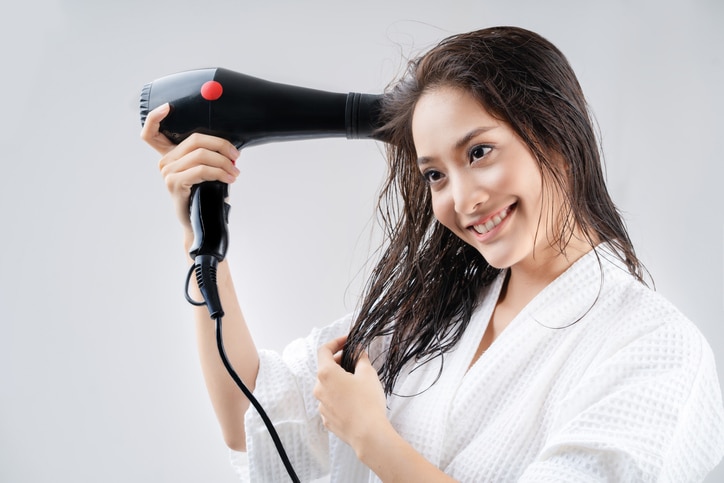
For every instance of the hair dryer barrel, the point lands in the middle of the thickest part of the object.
(247, 110)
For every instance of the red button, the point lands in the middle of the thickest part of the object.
(211, 90)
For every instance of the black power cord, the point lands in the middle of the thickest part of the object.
(206, 279)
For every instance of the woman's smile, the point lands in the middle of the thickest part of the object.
(487, 227)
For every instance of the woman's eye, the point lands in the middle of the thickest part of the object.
(431, 176)
(478, 152)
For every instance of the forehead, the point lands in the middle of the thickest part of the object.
(444, 115)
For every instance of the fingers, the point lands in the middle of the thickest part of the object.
(172, 153)
(204, 142)
(364, 360)
(183, 168)
(328, 368)
(334, 345)
(332, 351)
(199, 158)
(150, 132)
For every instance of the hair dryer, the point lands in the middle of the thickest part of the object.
(246, 111)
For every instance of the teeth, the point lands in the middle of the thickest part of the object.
(492, 223)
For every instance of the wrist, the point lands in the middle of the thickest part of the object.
(188, 241)
(394, 460)
(377, 444)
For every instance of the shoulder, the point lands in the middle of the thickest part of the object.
(643, 313)
(629, 330)
(649, 348)
(642, 322)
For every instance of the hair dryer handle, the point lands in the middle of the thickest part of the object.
(209, 214)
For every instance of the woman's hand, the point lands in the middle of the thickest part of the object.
(196, 159)
(352, 406)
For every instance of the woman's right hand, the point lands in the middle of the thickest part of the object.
(196, 159)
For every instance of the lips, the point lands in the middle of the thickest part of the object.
(488, 224)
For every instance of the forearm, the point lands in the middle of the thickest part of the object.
(393, 459)
(227, 399)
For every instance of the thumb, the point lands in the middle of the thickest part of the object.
(364, 363)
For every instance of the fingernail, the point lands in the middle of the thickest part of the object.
(234, 153)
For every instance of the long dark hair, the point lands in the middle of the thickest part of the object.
(424, 289)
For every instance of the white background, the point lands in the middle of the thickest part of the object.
(99, 378)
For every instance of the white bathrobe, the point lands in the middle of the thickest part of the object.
(598, 379)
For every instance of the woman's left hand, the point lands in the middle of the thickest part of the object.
(352, 406)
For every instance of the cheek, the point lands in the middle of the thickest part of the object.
(534, 195)
(529, 187)
(443, 209)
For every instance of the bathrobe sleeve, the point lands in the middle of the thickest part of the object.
(284, 388)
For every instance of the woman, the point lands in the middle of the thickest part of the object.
(506, 333)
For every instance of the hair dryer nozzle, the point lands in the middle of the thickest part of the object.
(362, 115)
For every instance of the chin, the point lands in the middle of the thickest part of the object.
(498, 266)
(496, 261)
(502, 255)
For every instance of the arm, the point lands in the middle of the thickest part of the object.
(206, 158)
(228, 401)
(353, 407)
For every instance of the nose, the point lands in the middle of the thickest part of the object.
(467, 193)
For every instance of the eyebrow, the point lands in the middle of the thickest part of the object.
(460, 143)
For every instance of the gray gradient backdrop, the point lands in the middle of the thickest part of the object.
(99, 378)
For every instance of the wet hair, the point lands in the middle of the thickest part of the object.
(424, 289)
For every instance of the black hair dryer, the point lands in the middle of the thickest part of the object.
(246, 111)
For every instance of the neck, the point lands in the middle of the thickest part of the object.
(528, 277)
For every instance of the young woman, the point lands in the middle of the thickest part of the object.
(506, 333)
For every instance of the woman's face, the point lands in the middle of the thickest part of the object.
(486, 185)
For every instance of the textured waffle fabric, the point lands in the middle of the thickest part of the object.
(598, 379)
